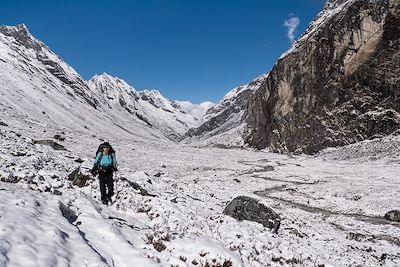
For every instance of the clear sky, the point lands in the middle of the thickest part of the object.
(194, 50)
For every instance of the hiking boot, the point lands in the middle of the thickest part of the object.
(105, 202)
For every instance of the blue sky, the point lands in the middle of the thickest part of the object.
(194, 50)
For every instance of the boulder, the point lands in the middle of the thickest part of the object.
(67, 212)
(7, 177)
(248, 208)
(393, 216)
(79, 177)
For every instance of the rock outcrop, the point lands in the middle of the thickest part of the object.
(79, 177)
(338, 84)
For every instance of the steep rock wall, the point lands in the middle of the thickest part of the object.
(339, 84)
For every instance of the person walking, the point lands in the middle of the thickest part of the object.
(105, 165)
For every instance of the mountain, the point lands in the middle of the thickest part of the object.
(223, 123)
(197, 110)
(148, 106)
(338, 84)
(339, 207)
(40, 88)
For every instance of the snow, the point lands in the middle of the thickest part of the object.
(197, 110)
(227, 127)
(228, 134)
(324, 200)
(125, 101)
(37, 85)
(331, 204)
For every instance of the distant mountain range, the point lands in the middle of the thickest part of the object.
(36, 83)
(338, 84)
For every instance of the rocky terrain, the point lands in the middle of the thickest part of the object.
(223, 123)
(338, 84)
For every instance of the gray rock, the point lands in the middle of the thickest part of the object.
(136, 186)
(68, 213)
(78, 177)
(59, 137)
(79, 160)
(19, 153)
(393, 216)
(331, 89)
(247, 208)
(8, 178)
(355, 236)
(51, 143)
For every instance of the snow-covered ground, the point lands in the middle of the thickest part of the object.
(332, 204)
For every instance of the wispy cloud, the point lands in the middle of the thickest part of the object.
(291, 26)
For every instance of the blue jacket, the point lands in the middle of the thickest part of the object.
(107, 161)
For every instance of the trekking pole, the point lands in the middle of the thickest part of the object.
(116, 184)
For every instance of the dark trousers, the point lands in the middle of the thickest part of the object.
(106, 179)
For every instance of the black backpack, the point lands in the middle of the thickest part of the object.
(100, 150)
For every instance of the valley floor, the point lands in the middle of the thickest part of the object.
(332, 206)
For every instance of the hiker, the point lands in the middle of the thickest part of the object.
(105, 164)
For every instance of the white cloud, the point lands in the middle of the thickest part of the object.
(291, 26)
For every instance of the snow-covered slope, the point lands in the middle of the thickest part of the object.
(39, 88)
(331, 210)
(223, 124)
(36, 85)
(148, 106)
(197, 110)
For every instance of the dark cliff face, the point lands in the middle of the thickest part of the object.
(340, 85)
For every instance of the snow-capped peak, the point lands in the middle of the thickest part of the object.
(105, 82)
(22, 35)
(152, 92)
(197, 110)
(21, 28)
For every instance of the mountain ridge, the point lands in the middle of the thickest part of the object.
(54, 93)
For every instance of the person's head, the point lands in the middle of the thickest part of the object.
(106, 150)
